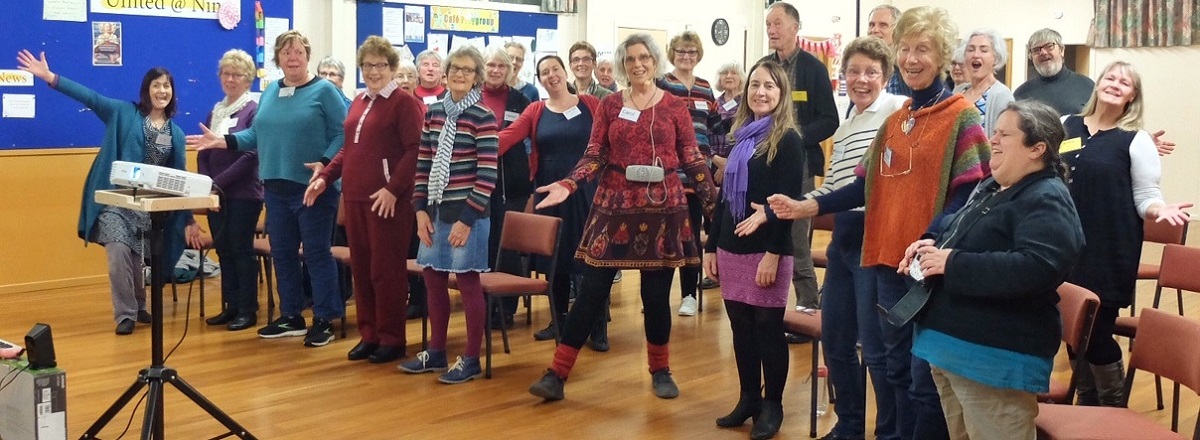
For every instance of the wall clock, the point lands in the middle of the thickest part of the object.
(720, 31)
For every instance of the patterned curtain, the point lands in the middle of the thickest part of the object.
(1146, 23)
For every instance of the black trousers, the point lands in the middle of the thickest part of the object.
(594, 294)
(233, 238)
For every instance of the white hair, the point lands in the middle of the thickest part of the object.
(998, 46)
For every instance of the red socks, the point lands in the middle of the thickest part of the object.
(658, 357)
(564, 360)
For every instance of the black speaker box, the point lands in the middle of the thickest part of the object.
(39, 347)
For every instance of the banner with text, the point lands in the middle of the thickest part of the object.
(200, 9)
(445, 18)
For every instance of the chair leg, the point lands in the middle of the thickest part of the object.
(487, 325)
(174, 291)
(200, 279)
(343, 325)
(529, 310)
(1158, 391)
(268, 268)
(425, 331)
(812, 416)
(1179, 300)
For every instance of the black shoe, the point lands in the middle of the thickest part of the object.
(832, 436)
(361, 351)
(796, 338)
(502, 319)
(599, 338)
(415, 311)
(748, 406)
(768, 421)
(125, 327)
(242, 322)
(144, 317)
(549, 387)
(320, 334)
(547, 334)
(386, 353)
(664, 385)
(224, 318)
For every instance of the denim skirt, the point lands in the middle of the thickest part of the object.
(471, 257)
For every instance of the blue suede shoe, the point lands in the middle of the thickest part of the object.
(425, 362)
(464, 369)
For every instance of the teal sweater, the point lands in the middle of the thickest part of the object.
(289, 132)
(123, 140)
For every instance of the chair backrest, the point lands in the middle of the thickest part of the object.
(341, 213)
(1163, 232)
(1168, 345)
(1179, 268)
(1077, 306)
(530, 233)
(822, 222)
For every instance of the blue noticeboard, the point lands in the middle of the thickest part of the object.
(189, 48)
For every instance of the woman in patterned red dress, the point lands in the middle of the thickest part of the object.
(633, 224)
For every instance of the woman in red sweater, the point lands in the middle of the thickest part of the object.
(379, 159)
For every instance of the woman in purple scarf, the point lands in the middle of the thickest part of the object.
(750, 250)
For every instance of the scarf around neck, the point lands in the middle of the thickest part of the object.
(223, 110)
(439, 173)
(737, 172)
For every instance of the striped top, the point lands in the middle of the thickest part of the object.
(852, 139)
(472, 164)
(702, 106)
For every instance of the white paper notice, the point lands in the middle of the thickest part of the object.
(414, 26)
(13, 77)
(65, 10)
(439, 43)
(494, 41)
(547, 40)
(457, 41)
(393, 24)
(19, 106)
(272, 28)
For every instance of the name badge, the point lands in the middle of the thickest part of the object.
(1070, 145)
(629, 114)
(572, 112)
(729, 105)
(701, 105)
(887, 156)
(510, 116)
(287, 92)
(163, 139)
(233, 122)
(799, 96)
(838, 154)
(429, 100)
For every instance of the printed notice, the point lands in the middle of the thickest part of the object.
(393, 24)
(19, 106)
(106, 43)
(272, 28)
(414, 26)
(65, 10)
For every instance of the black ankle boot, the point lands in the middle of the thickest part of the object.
(748, 406)
(599, 337)
(769, 420)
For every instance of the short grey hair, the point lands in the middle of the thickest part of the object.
(428, 53)
(660, 62)
(1040, 123)
(517, 45)
(1043, 36)
(471, 53)
(406, 66)
(334, 63)
(999, 47)
(894, 10)
(731, 68)
(240, 60)
(960, 54)
(605, 59)
(497, 53)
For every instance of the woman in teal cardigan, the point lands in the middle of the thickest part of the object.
(133, 132)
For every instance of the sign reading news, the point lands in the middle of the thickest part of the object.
(201, 9)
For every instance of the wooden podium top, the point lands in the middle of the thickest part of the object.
(148, 201)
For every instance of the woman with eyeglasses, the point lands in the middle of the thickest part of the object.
(684, 52)
(382, 136)
(922, 165)
(639, 218)
(456, 173)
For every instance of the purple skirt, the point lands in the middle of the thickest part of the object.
(737, 271)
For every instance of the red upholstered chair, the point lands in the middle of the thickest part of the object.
(1168, 346)
(1163, 233)
(820, 223)
(803, 323)
(1078, 309)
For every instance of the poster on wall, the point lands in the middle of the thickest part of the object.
(446, 18)
(414, 24)
(439, 43)
(106, 43)
(393, 24)
(200, 9)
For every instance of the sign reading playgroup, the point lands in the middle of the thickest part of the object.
(464, 19)
(202, 9)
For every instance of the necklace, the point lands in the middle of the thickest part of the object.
(911, 122)
(643, 107)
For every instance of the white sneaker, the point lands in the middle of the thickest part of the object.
(688, 306)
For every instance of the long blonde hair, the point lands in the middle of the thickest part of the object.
(1131, 116)
(783, 118)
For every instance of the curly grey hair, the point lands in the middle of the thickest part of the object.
(660, 64)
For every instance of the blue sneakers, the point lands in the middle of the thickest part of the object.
(464, 369)
(425, 362)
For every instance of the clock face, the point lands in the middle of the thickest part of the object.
(720, 31)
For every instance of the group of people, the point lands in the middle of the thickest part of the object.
(939, 194)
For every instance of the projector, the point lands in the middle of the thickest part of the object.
(160, 179)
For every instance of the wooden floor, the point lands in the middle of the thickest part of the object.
(279, 389)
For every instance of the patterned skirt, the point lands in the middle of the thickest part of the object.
(642, 238)
(737, 273)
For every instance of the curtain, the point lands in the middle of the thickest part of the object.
(1146, 23)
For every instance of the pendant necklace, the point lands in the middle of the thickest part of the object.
(911, 122)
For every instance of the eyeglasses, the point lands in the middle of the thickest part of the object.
(329, 74)
(870, 75)
(367, 67)
(688, 53)
(233, 75)
(577, 60)
(463, 70)
(1048, 47)
(405, 76)
(643, 58)
(886, 154)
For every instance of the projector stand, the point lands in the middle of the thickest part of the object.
(158, 374)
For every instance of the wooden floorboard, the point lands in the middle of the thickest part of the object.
(282, 390)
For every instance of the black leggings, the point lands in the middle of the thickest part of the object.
(1103, 349)
(594, 293)
(689, 276)
(759, 348)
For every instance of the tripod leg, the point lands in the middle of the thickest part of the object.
(113, 410)
(209, 407)
(152, 424)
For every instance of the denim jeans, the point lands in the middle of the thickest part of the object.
(290, 224)
(918, 406)
(848, 298)
(233, 238)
